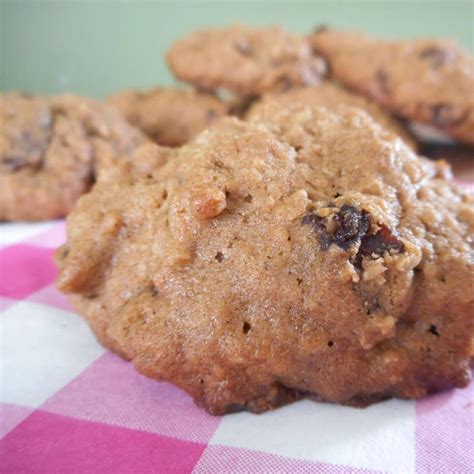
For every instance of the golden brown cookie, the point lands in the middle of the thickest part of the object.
(169, 116)
(330, 95)
(51, 150)
(426, 80)
(246, 61)
(313, 254)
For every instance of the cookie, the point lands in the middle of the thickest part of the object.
(328, 94)
(169, 116)
(246, 61)
(309, 255)
(51, 150)
(425, 80)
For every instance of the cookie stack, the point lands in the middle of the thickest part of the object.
(270, 233)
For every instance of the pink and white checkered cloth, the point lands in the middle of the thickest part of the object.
(68, 405)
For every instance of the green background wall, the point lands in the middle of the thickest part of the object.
(96, 47)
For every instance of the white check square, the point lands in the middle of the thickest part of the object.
(42, 348)
(380, 437)
(13, 232)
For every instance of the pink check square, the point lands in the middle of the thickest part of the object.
(25, 269)
(111, 391)
(50, 443)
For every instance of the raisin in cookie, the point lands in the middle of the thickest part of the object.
(312, 254)
(246, 61)
(169, 116)
(425, 80)
(51, 150)
(328, 95)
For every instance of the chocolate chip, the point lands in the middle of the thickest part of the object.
(381, 78)
(246, 327)
(343, 228)
(443, 115)
(438, 56)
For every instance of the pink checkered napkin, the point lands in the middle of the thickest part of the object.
(67, 405)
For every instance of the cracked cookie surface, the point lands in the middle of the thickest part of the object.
(308, 254)
(52, 148)
(169, 116)
(425, 80)
(246, 61)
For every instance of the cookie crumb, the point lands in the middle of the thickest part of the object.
(210, 203)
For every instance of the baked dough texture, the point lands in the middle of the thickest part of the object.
(425, 80)
(169, 116)
(308, 254)
(330, 95)
(52, 149)
(244, 60)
